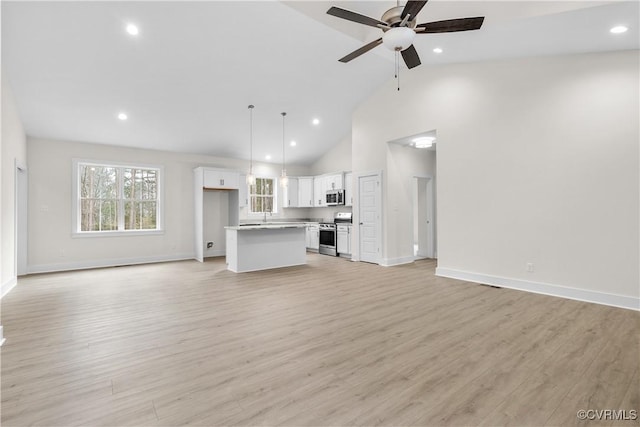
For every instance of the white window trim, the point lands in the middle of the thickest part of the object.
(276, 184)
(75, 205)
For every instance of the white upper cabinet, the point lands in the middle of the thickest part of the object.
(243, 190)
(222, 179)
(319, 191)
(348, 189)
(334, 182)
(305, 192)
(311, 191)
(291, 194)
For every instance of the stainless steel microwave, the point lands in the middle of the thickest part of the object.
(335, 197)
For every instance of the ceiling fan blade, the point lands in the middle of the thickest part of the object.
(355, 17)
(364, 49)
(412, 8)
(450, 25)
(410, 56)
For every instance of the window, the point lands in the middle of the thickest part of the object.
(112, 198)
(262, 195)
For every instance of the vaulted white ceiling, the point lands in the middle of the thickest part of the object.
(186, 80)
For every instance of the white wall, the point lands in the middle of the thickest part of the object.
(51, 245)
(537, 162)
(337, 159)
(14, 150)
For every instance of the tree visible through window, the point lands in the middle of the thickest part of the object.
(114, 198)
(262, 195)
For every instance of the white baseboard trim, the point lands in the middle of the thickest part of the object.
(603, 298)
(390, 262)
(8, 285)
(111, 262)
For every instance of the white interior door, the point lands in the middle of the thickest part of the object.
(369, 216)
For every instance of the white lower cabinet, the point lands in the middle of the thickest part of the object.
(313, 237)
(343, 241)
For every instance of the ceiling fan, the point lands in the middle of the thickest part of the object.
(400, 27)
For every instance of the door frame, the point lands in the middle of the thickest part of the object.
(355, 249)
(21, 198)
(432, 243)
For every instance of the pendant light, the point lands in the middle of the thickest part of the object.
(284, 180)
(251, 178)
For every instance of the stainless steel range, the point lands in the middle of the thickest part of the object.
(328, 241)
(328, 238)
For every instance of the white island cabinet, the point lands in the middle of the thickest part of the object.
(262, 247)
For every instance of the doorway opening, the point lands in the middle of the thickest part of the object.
(424, 238)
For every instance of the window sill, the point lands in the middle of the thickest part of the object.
(83, 234)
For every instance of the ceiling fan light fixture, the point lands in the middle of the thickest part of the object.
(398, 38)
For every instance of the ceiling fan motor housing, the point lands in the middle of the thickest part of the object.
(393, 17)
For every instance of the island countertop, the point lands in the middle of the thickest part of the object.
(268, 226)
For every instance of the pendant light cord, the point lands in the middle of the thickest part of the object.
(283, 115)
(251, 139)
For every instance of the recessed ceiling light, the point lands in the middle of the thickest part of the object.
(132, 29)
(619, 29)
(423, 142)
(293, 143)
(437, 50)
(268, 157)
(123, 116)
(316, 121)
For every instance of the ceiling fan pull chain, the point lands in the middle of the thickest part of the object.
(398, 68)
(395, 65)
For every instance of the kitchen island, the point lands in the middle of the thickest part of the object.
(265, 246)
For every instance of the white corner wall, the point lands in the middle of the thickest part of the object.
(14, 151)
(538, 162)
(51, 245)
(337, 159)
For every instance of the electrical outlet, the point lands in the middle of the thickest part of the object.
(209, 245)
(530, 267)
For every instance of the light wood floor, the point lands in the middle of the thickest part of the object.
(330, 343)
